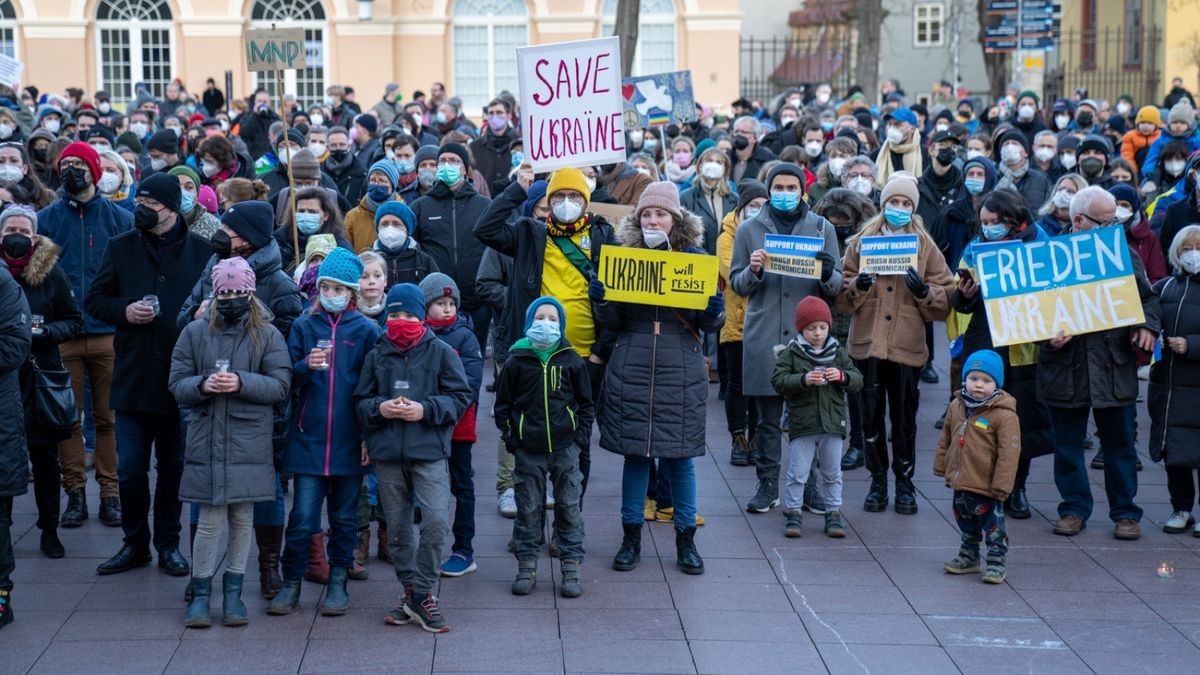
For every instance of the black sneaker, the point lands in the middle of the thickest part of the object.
(398, 616)
(929, 375)
(766, 498)
(424, 610)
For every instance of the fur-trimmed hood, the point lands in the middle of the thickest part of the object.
(45, 257)
(687, 234)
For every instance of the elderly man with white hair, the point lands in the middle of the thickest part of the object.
(1079, 374)
(748, 155)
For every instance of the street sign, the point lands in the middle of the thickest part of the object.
(999, 45)
(1011, 6)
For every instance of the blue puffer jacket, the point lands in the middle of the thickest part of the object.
(325, 438)
(82, 230)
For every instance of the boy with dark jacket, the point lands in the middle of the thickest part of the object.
(544, 412)
(412, 392)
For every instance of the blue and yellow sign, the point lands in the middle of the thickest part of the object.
(1076, 283)
(650, 277)
(888, 254)
(793, 256)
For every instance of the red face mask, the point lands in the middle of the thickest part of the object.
(403, 333)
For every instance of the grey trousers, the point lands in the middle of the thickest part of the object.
(770, 433)
(530, 478)
(239, 519)
(426, 485)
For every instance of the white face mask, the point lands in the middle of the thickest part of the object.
(392, 237)
(655, 238)
(837, 166)
(894, 135)
(941, 127)
(1068, 161)
(636, 136)
(109, 182)
(104, 108)
(1025, 112)
(1190, 260)
(317, 149)
(138, 128)
(813, 148)
(52, 126)
(1061, 121)
(10, 173)
(643, 170)
(1011, 154)
(158, 164)
(177, 131)
(567, 211)
(1123, 214)
(1062, 199)
(972, 154)
(861, 185)
(209, 169)
(822, 98)
(1175, 167)
(712, 170)
(591, 183)
(1044, 154)
(6, 131)
(1123, 109)
(224, 125)
(390, 154)
(317, 120)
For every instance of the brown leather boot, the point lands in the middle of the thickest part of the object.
(269, 538)
(382, 551)
(363, 550)
(318, 564)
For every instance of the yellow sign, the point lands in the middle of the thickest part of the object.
(646, 277)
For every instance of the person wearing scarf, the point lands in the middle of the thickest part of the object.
(902, 150)
(382, 179)
(1017, 172)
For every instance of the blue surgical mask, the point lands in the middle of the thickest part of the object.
(973, 185)
(543, 332)
(308, 223)
(650, 143)
(449, 174)
(379, 193)
(405, 166)
(751, 212)
(785, 201)
(897, 218)
(517, 159)
(827, 126)
(187, 202)
(335, 305)
(994, 232)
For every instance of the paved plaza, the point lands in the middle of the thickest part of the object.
(874, 602)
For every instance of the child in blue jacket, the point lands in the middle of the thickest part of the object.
(325, 451)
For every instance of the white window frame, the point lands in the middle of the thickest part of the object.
(291, 77)
(11, 26)
(490, 21)
(934, 14)
(134, 29)
(608, 23)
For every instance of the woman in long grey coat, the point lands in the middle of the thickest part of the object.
(657, 381)
(230, 368)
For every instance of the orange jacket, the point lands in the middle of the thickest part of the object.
(1133, 141)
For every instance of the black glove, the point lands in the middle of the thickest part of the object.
(716, 305)
(596, 290)
(916, 284)
(864, 281)
(827, 265)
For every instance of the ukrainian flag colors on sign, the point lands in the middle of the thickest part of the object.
(888, 254)
(794, 256)
(1077, 283)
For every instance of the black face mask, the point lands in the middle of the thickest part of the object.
(339, 156)
(740, 143)
(233, 309)
(16, 246)
(75, 180)
(221, 243)
(945, 156)
(145, 218)
(1084, 120)
(41, 153)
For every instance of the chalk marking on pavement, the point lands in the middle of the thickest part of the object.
(998, 619)
(1006, 643)
(786, 580)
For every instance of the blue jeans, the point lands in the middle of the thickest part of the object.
(1115, 430)
(308, 493)
(462, 486)
(139, 435)
(635, 478)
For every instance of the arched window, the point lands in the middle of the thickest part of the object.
(486, 36)
(8, 29)
(308, 85)
(133, 41)
(656, 35)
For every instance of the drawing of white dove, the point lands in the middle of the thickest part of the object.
(654, 96)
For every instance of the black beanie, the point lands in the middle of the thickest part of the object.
(164, 141)
(163, 188)
(458, 149)
(748, 190)
(253, 221)
(786, 168)
(1013, 135)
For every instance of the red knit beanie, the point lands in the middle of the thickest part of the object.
(812, 309)
(85, 152)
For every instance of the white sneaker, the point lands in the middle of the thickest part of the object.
(549, 499)
(507, 504)
(1178, 522)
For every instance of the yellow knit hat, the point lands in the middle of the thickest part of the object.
(569, 179)
(1149, 114)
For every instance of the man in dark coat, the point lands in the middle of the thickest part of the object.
(340, 165)
(15, 339)
(492, 150)
(144, 277)
(255, 124)
(445, 219)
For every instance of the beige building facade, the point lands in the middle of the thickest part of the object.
(467, 44)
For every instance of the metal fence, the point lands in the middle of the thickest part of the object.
(770, 65)
(1108, 62)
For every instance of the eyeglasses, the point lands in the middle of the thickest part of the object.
(72, 163)
(1098, 223)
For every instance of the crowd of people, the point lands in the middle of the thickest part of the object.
(258, 305)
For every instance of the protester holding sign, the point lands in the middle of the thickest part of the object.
(1079, 374)
(887, 338)
(657, 382)
(771, 299)
(1004, 218)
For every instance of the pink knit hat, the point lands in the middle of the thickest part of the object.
(663, 195)
(208, 199)
(232, 275)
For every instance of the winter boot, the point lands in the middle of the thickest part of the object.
(766, 497)
(792, 522)
(630, 553)
(76, 511)
(362, 550)
(381, 550)
(906, 496)
(268, 538)
(187, 591)
(833, 525)
(197, 610)
(1017, 505)
(286, 600)
(877, 496)
(739, 455)
(966, 562)
(571, 586)
(337, 601)
(51, 545)
(318, 565)
(686, 556)
(526, 577)
(233, 610)
(993, 573)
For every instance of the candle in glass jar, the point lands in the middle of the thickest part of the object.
(1166, 570)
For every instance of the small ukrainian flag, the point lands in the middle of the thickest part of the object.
(982, 423)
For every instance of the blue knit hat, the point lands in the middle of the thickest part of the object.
(533, 195)
(546, 300)
(406, 298)
(341, 267)
(388, 168)
(985, 361)
(398, 209)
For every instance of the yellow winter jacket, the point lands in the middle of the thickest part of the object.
(735, 305)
